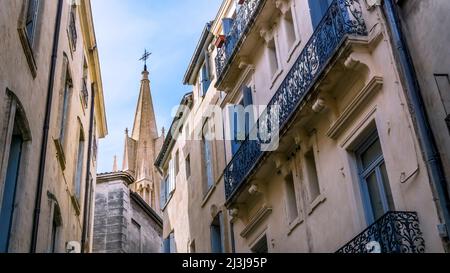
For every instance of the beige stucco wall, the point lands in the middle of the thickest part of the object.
(31, 92)
(363, 91)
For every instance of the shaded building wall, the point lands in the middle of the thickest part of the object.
(123, 222)
(28, 87)
(425, 25)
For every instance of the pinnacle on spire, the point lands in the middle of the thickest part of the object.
(115, 168)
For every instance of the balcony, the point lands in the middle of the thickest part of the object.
(245, 17)
(342, 20)
(396, 232)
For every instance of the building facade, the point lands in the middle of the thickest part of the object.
(316, 148)
(127, 201)
(423, 21)
(53, 115)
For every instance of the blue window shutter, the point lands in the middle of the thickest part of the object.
(166, 245)
(318, 8)
(248, 101)
(206, 82)
(172, 245)
(9, 193)
(222, 233)
(234, 130)
(227, 24)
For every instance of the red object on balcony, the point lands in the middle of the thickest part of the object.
(240, 2)
(220, 41)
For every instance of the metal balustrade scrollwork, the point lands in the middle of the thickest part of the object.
(343, 18)
(245, 15)
(395, 232)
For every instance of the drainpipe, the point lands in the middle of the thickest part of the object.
(87, 195)
(430, 151)
(51, 82)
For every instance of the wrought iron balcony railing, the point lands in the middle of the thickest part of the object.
(343, 18)
(395, 232)
(245, 16)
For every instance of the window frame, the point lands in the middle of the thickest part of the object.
(365, 172)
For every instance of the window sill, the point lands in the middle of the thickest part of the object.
(293, 49)
(208, 195)
(315, 204)
(76, 205)
(292, 226)
(28, 51)
(275, 77)
(60, 154)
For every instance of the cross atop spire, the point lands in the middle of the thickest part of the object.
(145, 57)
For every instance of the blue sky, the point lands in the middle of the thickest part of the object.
(170, 29)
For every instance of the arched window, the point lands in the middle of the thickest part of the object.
(64, 104)
(17, 135)
(79, 166)
(55, 224)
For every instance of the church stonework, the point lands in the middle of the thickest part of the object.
(127, 201)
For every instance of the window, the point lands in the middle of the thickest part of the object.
(73, 27)
(31, 19)
(318, 8)
(79, 166)
(9, 191)
(291, 198)
(241, 122)
(188, 166)
(135, 237)
(164, 196)
(273, 58)
(377, 195)
(169, 244)
(207, 156)
(177, 163)
(261, 246)
(205, 77)
(56, 226)
(291, 34)
(18, 134)
(313, 179)
(65, 102)
(217, 236)
(84, 88)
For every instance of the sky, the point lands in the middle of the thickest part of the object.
(170, 29)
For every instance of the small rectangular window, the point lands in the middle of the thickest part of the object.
(30, 22)
(73, 27)
(217, 235)
(291, 198)
(177, 163)
(313, 179)
(188, 166)
(291, 35)
(261, 246)
(135, 237)
(273, 58)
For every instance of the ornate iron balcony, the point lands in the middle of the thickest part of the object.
(396, 232)
(245, 16)
(343, 18)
